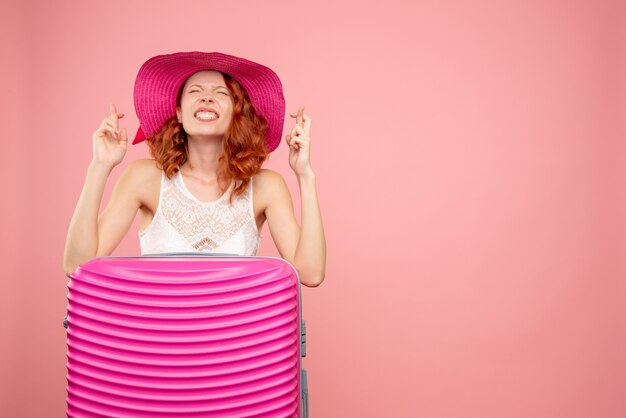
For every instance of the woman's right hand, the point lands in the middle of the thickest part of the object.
(109, 143)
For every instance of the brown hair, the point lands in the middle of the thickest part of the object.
(243, 145)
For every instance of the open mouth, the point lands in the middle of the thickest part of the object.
(206, 116)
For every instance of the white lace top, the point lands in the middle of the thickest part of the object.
(182, 223)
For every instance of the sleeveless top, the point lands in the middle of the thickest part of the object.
(182, 223)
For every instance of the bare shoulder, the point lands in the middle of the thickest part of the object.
(268, 180)
(143, 167)
(144, 177)
(267, 185)
(141, 172)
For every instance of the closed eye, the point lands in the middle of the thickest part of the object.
(193, 91)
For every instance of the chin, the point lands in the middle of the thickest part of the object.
(206, 135)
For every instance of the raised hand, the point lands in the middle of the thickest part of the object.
(299, 141)
(109, 143)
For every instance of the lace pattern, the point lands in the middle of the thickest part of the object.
(183, 223)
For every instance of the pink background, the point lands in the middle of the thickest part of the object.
(471, 176)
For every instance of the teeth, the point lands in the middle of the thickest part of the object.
(206, 115)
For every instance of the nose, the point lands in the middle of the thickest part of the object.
(206, 98)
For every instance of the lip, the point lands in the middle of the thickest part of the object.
(206, 121)
(206, 109)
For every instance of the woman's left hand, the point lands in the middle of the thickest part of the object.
(299, 141)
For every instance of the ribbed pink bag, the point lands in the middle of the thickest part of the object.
(185, 335)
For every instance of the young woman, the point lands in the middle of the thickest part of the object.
(210, 120)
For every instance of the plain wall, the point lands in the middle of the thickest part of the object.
(470, 172)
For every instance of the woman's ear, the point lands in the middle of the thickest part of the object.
(179, 115)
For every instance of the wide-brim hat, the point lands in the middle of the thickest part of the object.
(160, 78)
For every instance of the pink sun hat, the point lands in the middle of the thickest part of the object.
(160, 78)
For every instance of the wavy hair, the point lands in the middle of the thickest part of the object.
(243, 146)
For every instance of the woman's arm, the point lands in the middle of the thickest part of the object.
(89, 234)
(304, 247)
(310, 254)
(81, 243)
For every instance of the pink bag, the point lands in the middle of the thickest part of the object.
(185, 335)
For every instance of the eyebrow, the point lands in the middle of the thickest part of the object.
(198, 85)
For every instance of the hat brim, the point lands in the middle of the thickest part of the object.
(139, 136)
(160, 78)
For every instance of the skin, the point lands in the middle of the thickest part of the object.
(137, 189)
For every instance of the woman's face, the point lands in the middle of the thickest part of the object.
(205, 90)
